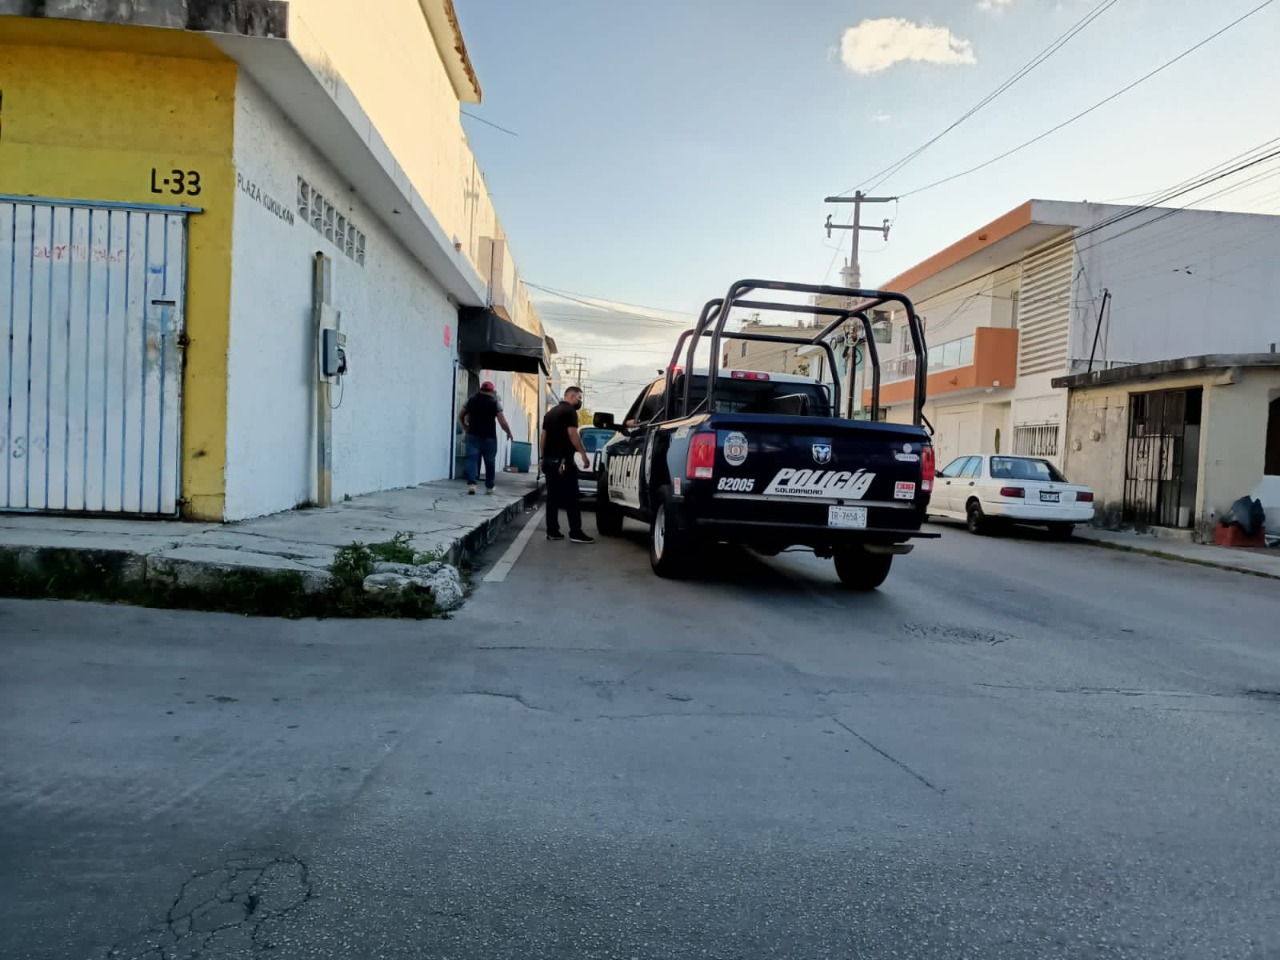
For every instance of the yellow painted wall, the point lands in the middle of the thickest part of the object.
(1232, 438)
(88, 111)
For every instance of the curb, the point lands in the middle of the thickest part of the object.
(1176, 557)
(123, 575)
(466, 547)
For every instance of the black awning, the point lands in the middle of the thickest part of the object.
(488, 342)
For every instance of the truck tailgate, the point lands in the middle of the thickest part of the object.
(818, 459)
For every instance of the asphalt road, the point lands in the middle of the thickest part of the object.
(1015, 749)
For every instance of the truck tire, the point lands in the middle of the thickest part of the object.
(861, 570)
(668, 547)
(608, 517)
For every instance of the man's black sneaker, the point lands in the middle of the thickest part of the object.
(555, 536)
(581, 538)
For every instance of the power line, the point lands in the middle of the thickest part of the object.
(588, 300)
(1100, 103)
(489, 123)
(878, 178)
(1213, 175)
(1203, 183)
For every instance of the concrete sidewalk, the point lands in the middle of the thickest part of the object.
(440, 516)
(1259, 562)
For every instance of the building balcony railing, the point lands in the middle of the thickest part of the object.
(943, 356)
(986, 358)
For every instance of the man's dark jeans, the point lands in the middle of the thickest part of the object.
(486, 449)
(562, 494)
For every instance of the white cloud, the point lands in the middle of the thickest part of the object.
(994, 6)
(876, 45)
(882, 117)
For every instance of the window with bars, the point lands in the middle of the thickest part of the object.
(1035, 439)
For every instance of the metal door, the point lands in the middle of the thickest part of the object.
(91, 337)
(1156, 467)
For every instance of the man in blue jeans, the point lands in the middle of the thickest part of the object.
(480, 418)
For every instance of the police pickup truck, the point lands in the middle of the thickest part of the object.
(762, 459)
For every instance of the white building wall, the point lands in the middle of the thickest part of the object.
(1184, 284)
(392, 424)
(388, 57)
(980, 422)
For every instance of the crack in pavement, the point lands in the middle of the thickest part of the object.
(241, 896)
(518, 698)
(888, 756)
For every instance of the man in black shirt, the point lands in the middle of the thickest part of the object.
(559, 441)
(480, 418)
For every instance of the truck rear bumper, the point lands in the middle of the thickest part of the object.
(807, 534)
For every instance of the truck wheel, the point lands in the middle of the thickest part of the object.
(975, 519)
(668, 546)
(608, 517)
(859, 569)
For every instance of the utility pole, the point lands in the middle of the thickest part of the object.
(852, 272)
(571, 370)
(851, 275)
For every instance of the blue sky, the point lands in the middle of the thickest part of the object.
(670, 147)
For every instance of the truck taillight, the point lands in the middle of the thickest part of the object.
(748, 375)
(926, 469)
(701, 464)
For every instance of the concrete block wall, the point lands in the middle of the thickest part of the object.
(391, 423)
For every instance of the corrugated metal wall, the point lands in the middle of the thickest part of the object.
(91, 321)
(1044, 309)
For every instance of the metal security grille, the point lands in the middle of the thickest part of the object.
(1155, 454)
(1044, 309)
(91, 334)
(1035, 440)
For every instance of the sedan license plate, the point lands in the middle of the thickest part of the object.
(1050, 497)
(851, 517)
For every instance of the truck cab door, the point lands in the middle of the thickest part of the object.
(626, 455)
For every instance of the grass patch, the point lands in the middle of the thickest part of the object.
(120, 577)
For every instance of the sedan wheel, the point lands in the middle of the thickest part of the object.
(975, 519)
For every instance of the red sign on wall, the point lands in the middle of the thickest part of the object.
(448, 334)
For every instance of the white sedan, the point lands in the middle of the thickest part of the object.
(981, 490)
(594, 439)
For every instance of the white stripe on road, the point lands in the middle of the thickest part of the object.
(509, 559)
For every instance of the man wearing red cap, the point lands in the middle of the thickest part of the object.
(480, 418)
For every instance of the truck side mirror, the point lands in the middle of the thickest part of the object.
(603, 421)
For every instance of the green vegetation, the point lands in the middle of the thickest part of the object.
(120, 577)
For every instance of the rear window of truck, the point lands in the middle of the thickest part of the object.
(766, 397)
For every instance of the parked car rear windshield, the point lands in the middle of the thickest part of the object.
(1024, 468)
(775, 397)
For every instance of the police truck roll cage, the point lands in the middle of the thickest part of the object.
(715, 315)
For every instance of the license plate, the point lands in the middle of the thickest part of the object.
(1047, 497)
(852, 517)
